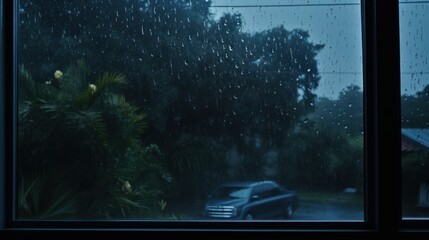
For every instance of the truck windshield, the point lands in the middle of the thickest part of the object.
(232, 192)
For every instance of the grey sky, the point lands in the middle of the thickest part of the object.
(414, 29)
(339, 28)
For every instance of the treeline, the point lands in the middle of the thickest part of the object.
(194, 102)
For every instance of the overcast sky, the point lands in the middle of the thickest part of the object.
(414, 27)
(337, 24)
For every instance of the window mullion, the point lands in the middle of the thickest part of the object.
(387, 101)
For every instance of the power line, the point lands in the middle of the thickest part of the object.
(339, 73)
(305, 5)
(416, 73)
(287, 5)
(413, 2)
(291, 5)
(356, 73)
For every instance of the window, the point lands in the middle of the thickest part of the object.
(379, 135)
(273, 190)
(414, 90)
(139, 109)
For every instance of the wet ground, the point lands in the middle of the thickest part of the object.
(338, 208)
(328, 210)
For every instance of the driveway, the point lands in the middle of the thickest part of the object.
(328, 210)
(308, 210)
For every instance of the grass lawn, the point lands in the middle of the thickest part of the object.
(333, 197)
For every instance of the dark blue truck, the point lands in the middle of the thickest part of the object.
(250, 200)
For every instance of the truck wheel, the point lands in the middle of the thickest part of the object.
(248, 216)
(289, 210)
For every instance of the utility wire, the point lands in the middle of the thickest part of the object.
(290, 5)
(339, 73)
(413, 2)
(305, 5)
(287, 5)
(356, 73)
(417, 73)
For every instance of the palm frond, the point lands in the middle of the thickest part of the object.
(53, 110)
(24, 108)
(90, 95)
(46, 198)
(98, 130)
(127, 115)
(126, 202)
(89, 124)
(64, 204)
(26, 89)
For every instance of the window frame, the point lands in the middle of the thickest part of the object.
(410, 225)
(381, 65)
(2, 118)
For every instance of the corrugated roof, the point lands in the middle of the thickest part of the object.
(410, 146)
(419, 136)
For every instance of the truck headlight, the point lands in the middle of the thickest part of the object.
(236, 211)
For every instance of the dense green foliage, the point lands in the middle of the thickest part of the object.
(415, 109)
(80, 152)
(325, 152)
(219, 105)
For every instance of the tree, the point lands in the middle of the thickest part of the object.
(199, 80)
(414, 109)
(175, 47)
(80, 153)
(326, 150)
(346, 112)
(326, 160)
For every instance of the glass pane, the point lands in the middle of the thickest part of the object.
(184, 109)
(414, 33)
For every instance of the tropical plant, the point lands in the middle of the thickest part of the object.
(93, 133)
(45, 198)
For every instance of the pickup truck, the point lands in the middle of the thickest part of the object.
(250, 200)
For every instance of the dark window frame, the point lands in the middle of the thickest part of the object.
(380, 31)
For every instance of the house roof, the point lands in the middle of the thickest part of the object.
(415, 139)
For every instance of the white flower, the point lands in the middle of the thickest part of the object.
(92, 88)
(126, 187)
(58, 74)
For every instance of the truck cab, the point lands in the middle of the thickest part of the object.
(250, 200)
